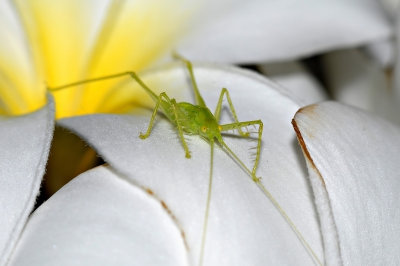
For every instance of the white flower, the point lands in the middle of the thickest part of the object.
(147, 206)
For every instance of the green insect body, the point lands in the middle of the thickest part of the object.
(197, 119)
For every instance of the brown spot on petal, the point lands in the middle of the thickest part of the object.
(308, 110)
(304, 147)
(169, 212)
(149, 191)
(164, 205)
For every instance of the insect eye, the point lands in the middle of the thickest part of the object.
(204, 129)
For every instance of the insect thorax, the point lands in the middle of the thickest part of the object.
(196, 119)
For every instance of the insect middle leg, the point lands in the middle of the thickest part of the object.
(172, 104)
(260, 130)
(217, 112)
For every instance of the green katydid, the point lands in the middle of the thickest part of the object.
(197, 119)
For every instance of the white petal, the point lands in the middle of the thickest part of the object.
(257, 31)
(354, 160)
(396, 87)
(383, 52)
(25, 142)
(299, 83)
(100, 219)
(391, 7)
(356, 80)
(244, 227)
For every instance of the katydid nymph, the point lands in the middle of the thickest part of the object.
(197, 119)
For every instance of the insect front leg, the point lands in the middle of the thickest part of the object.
(217, 112)
(178, 125)
(260, 130)
(153, 116)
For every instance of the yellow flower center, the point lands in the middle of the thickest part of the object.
(71, 40)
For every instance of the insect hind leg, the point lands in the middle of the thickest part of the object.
(199, 99)
(260, 130)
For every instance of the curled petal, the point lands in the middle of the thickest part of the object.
(100, 219)
(25, 142)
(353, 163)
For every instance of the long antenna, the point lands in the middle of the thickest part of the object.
(133, 75)
(206, 214)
